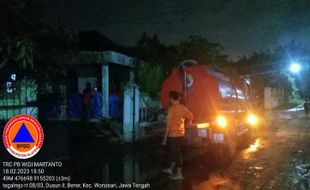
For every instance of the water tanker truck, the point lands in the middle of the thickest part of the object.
(221, 106)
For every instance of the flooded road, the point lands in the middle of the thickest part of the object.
(271, 161)
(276, 158)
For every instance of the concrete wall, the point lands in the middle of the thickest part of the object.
(273, 97)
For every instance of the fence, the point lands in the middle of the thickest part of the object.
(17, 97)
(149, 111)
(148, 114)
(24, 96)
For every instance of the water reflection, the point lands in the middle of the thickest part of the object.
(132, 170)
(247, 153)
(217, 182)
(104, 163)
(110, 168)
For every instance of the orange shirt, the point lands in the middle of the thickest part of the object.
(176, 119)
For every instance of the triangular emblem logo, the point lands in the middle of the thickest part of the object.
(23, 135)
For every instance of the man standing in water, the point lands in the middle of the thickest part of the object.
(174, 134)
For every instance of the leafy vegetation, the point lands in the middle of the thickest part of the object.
(159, 59)
(16, 52)
(149, 77)
(29, 45)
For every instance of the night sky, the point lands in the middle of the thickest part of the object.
(241, 26)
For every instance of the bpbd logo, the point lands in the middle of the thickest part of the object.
(23, 136)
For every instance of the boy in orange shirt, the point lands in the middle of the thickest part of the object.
(174, 134)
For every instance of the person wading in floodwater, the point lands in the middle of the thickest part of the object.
(174, 135)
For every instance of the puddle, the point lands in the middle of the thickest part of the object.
(107, 167)
(256, 168)
(217, 182)
(254, 147)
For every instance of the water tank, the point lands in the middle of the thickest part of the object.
(204, 90)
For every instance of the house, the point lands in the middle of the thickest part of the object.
(107, 67)
(108, 72)
(101, 62)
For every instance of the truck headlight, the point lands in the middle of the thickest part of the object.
(252, 119)
(221, 121)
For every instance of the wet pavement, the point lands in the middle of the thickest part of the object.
(276, 158)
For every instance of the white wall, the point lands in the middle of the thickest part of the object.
(82, 81)
(273, 97)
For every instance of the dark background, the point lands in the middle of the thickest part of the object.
(241, 26)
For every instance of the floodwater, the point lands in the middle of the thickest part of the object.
(99, 161)
(253, 147)
(260, 165)
(102, 166)
(113, 163)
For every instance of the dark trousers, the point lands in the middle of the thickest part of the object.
(85, 113)
(175, 150)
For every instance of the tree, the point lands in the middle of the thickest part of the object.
(159, 59)
(16, 53)
(26, 43)
(270, 68)
(38, 51)
(201, 50)
(151, 64)
(151, 50)
(149, 78)
(57, 49)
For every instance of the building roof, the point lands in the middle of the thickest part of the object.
(95, 41)
(105, 57)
